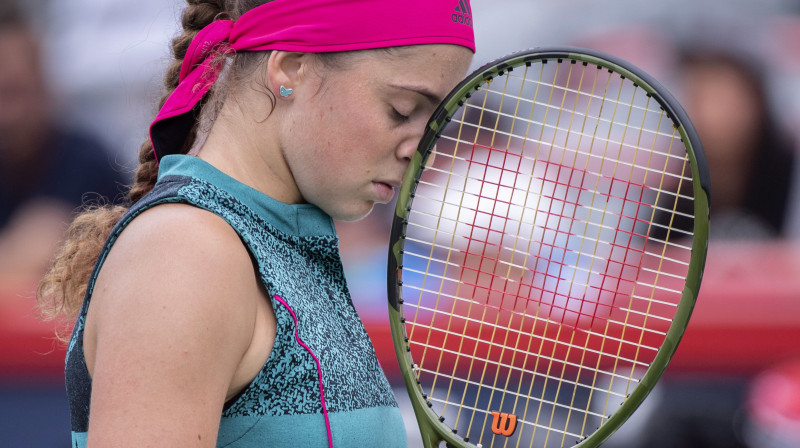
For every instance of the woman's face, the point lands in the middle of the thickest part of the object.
(350, 131)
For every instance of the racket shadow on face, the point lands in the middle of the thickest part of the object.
(544, 265)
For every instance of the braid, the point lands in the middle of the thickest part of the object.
(61, 291)
(195, 17)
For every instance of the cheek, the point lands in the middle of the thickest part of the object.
(318, 152)
(341, 131)
(353, 131)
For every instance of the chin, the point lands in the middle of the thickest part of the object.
(352, 214)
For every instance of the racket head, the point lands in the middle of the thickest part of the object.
(567, 174)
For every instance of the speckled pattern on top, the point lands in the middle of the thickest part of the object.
(296, 253)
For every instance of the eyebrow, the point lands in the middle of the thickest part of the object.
(430, 96)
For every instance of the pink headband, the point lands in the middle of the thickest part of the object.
(308, 26)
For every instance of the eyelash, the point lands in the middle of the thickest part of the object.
(399, 117)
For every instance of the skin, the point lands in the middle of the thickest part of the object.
(344, 123)
(179, 322)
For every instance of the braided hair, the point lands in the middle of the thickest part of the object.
(60, 293)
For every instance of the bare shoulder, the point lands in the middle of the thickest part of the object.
(175, 231)
(179, 251)
(172, 314)
(177, 263)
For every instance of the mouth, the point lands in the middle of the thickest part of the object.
(384, 189)
(392, 183)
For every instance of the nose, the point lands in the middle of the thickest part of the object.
(408, 146)
(406, 151)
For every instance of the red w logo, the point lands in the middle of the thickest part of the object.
(504, 424)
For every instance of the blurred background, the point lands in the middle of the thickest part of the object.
(78, 84)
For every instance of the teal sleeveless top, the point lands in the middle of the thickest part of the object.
(321, 383)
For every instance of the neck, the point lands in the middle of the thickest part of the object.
(249, 151)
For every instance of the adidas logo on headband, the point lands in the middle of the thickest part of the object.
(463, 13)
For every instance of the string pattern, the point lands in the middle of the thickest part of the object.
(545, 254)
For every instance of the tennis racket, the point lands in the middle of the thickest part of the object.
(547, 250)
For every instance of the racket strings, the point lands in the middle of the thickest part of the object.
(586, 411)
(431, 257)
(514, 252)
(451, 313)
(657, 273)
(628, 313)
(648, 188)
(590, 94)
(519, 369)
(483, 316)
(555, 127)
(585, 270)
(580, 250)
(542, 398)
(648, 127)
(676, 175)
(499, 303)
(600, 227)
(643, 329)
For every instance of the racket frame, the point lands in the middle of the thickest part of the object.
(432, 428)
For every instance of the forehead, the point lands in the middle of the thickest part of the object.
(438, 67)
(435, 56)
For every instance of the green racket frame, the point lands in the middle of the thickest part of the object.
(433, 431)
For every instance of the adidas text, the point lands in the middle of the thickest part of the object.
(461, 18)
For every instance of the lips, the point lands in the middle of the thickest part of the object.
(384, 190)
(393, 183)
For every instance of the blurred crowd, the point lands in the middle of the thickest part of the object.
(77, 79)
(47, 169)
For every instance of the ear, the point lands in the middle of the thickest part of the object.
(288, 69)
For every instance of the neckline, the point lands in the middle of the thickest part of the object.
(296, 219)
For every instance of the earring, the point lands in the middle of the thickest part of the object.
(286, 92)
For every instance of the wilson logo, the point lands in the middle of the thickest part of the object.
(503, 424)
(463, 13)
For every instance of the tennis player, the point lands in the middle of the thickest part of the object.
(215, 312)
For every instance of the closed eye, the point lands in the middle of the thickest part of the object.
(397, 116)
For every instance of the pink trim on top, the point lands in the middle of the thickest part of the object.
(319, 370)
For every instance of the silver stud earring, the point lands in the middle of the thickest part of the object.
(286, 92)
